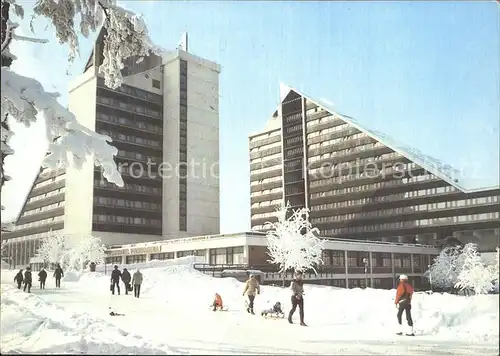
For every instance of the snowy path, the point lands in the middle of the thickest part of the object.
(197, 332)
(77, 317)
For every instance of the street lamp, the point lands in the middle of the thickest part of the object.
(365, 261)
(430, 275)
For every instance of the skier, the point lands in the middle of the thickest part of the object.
(19, 278)
(126, 279)
(297, 288)
(276, 309)
(404, 294)
(42, 277)
(58, 274)
(217, 302)
(115, 280)
(27, 279)
(252, 288)
(137, 281)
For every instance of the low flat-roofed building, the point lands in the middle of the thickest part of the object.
(346, 263)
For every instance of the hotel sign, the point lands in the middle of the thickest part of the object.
(134, 251)
(144, 250)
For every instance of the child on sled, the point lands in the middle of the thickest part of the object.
(276, 310)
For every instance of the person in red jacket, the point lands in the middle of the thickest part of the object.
(217, 304)
(404, 293)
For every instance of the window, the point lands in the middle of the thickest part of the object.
(135, 259)
(162, 256)
(114, 260)
(156, 84)
(182, 222)
(417, 261)
(338, 259)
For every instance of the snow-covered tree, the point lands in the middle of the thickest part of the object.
(444, 271)
(474, 275)
(25, 100)
(54, 248)
(291, 241)
(495, 270)
(72, 252)
(89, 249)
(3, 249)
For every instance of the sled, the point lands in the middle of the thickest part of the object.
(273, 315)
(116, 314)
(224, 308)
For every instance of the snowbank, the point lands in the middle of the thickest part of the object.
(176, 296)
(5, 265)
(176, 282)
(31, 325)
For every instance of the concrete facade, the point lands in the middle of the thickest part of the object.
(359, 183)
(144, 117)
(237, 254)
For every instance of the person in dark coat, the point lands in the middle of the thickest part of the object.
(27, 279)
(42, 277)
(115, 280)
(126, 278)
(58, 274)
(19, 278)
(297, 298)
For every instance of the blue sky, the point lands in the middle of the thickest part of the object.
(426, 73)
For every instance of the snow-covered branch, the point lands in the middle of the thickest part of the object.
(24, 98)
(126, 33)
(292, 242)
(29, 39)
(126, 36)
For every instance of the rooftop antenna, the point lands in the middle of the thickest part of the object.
(183, 43)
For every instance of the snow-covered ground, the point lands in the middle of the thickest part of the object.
(172, 317)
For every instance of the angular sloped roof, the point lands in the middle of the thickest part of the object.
(433, 165)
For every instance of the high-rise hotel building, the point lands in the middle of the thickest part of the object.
(359, 184)
(165, 113)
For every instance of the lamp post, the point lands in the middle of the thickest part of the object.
(430, 275)
(365, 261)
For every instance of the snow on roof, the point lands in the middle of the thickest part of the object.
(433, 165)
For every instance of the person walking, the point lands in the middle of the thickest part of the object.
(19, 279)
(27, 279)
(115, 280)
(42, 277)
(136, 282)
(126, 279)
(58, 274)
(404, 293)
(297, 298)
(252, 288)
